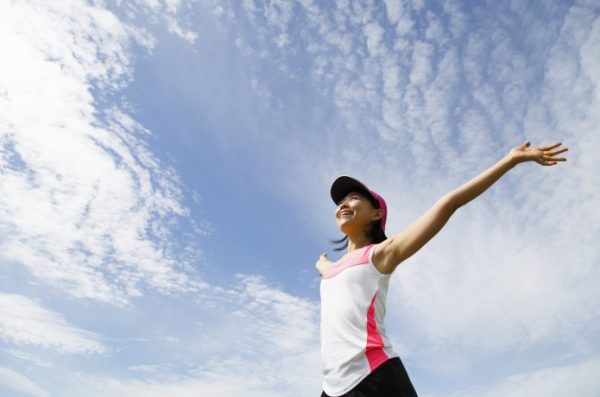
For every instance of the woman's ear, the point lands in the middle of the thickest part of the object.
(378, 215)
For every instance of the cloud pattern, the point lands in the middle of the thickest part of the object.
(439, 88)
(86, 206)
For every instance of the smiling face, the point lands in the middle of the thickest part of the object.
(355, 213)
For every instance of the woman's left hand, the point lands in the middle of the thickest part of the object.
(323, 264)
(542, 155)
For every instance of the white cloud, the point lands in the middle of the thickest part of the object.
(218, 387)
(394, 10)
(422, 71)
(458, 18)
(24, 321)
(148, 368)
(250, 339)
(185, 34)
(15, 382)
(435, 31)
(374, 34)
(578, 379)
(275, 331)
(85, 205)
(489, 297)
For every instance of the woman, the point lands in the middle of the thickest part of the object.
(358, 359)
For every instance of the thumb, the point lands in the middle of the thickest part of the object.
(526, 144)
(324, 255)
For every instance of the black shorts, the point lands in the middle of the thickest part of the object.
(390, 379)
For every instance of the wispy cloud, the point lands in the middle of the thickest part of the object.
(86, 206)
(24, 321)
(11, 382)
(412, 97)
(250, 338)
(578, 379)
(262, 324)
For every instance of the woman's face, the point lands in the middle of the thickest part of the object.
(355, 212)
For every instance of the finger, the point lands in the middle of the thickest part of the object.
(557, 152)
(548, 147)
(550, 158)
(551, 146)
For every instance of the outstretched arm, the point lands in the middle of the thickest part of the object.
(393, 251)
(522, 153)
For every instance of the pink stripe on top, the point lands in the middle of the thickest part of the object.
(375, 353)
(358, 257)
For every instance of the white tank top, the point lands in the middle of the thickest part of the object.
(353, 340)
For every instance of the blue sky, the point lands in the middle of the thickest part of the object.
(164, 191)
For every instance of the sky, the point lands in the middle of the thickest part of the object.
(165, 168)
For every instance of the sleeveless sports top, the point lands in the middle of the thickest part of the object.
(353, 340)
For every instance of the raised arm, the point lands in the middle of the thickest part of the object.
(390, 253)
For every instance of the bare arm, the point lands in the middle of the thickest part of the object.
(467, 192)
(522, 153)
(390, 253)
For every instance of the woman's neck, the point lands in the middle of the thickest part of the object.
(357, 241)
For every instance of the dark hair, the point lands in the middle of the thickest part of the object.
(374, 233)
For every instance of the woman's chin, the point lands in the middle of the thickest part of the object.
(344, 227)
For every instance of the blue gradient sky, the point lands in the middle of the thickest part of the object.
(164, 191)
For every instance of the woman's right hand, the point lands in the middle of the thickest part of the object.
(323, 264)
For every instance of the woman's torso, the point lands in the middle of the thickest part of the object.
(353, 338)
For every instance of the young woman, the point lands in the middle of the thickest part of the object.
(358, 359)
